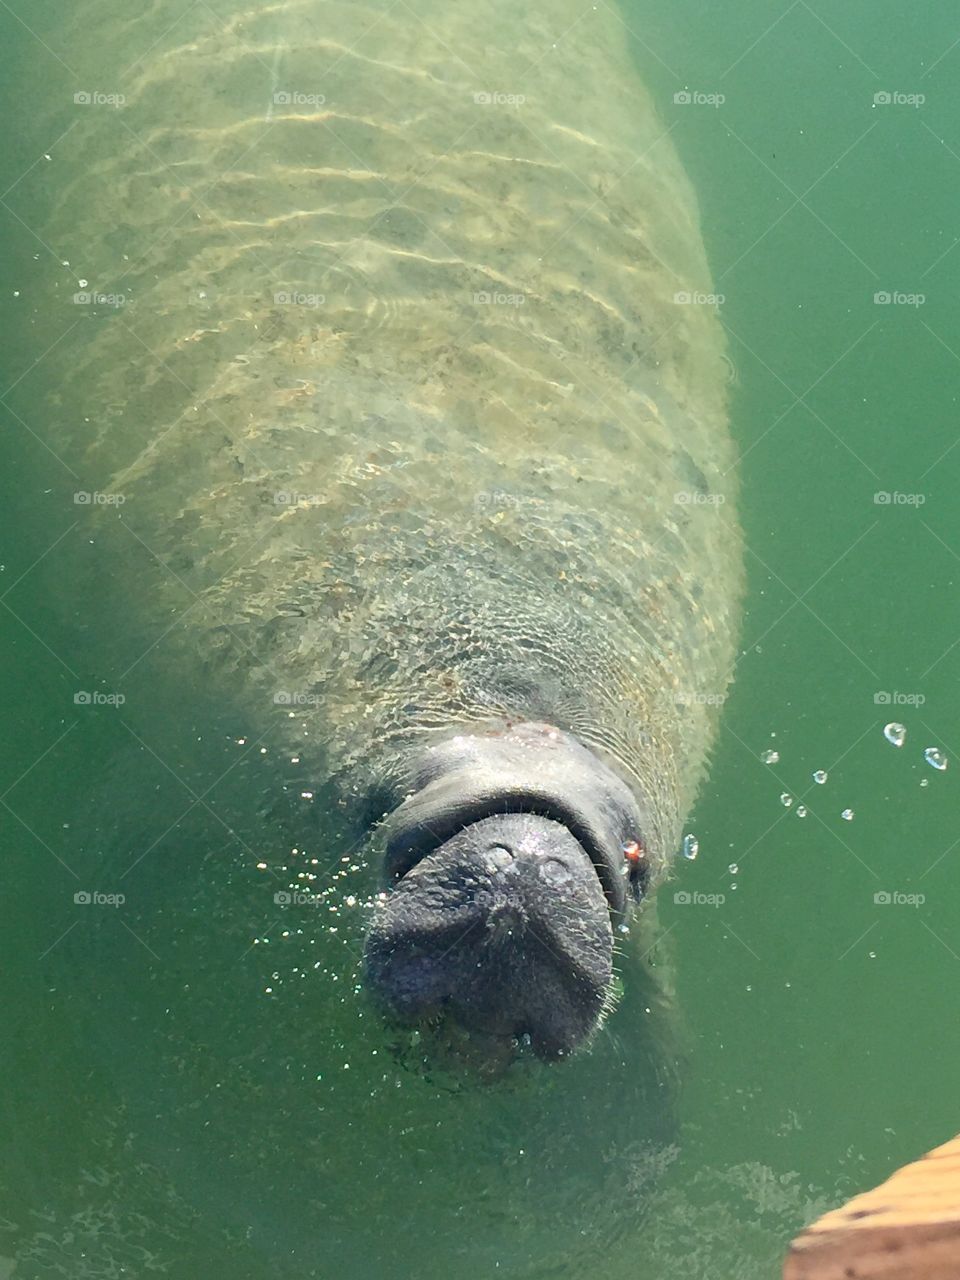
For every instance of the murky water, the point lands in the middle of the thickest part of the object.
(193, 1084)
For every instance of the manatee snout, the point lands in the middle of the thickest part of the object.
(505, 929)
(505, 862)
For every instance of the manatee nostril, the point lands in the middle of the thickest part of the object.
(500, 855)
(555, 872)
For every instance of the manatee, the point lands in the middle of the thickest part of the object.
(404, 435)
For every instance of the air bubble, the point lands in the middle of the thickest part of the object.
(895, 733)
(770, 757)
(847, 815)
(801, 810)
(786, 799)
(820, 776)
(691, 846)
(935, 757)
(733, 868)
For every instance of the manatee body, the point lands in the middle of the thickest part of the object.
(420, 456)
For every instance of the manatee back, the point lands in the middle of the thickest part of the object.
(400, 398)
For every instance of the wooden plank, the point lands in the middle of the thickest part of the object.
(908, 1228)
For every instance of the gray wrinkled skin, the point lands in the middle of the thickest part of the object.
(504, 928)
(371, 493)
(508, 862)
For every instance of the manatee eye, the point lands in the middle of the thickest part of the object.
(634, 854)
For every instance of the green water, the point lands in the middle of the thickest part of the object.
(822, 1033)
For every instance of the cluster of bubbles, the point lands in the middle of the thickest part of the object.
(771, 756)
(895, 733)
